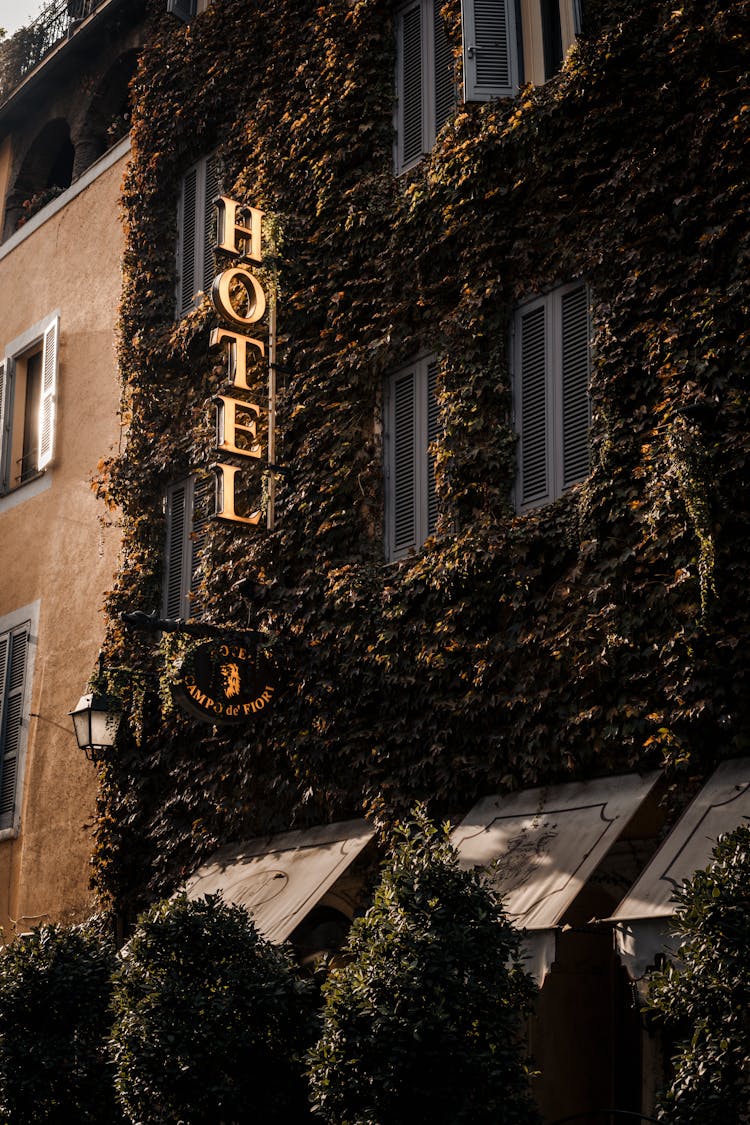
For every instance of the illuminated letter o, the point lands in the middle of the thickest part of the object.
(222, 301)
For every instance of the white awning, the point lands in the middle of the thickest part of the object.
(641, 919)
(541, 846)
(279, 879)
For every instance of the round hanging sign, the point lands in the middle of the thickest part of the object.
(226, 682)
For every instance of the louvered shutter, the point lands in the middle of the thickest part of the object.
(434, 430)
(445, 88)
(202, 511)
(186, 244)
(183, 9)
(176, 562)
(211, 190)
(410, 86)
(48, 396)
(4, 444)
(532, 406)
(490, 49)
(403, 474)
(13, 649)
(575, 386)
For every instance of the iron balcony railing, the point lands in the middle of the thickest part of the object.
(21, 53)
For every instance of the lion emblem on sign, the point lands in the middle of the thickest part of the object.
(231, 676)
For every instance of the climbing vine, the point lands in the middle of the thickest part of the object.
(601, 632)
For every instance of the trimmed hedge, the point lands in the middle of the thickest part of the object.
(424, 1021)
(704, 998)
(210, 1020)
(55, 988)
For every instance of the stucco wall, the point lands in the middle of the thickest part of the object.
(54, 546)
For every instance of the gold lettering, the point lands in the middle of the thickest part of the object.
(229, 231)
(226, 504)
(221, 296)
(237, 357)
(227, 426)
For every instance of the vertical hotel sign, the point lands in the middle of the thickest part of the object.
(240, 301)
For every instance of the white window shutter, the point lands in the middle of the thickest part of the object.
(195, 225)
(532, 405)
(410, 124)
(490, 49)
(444, 76)
(575, 386)
(202, 510)
(48, 398)
(403, 476)
(211, 190)
(4, 429)
(434, 429)
(13, 649)
(186, 242)
(177, 560)
(183, 9)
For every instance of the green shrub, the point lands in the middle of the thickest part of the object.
(210, 1020)
(423, 1023)
(55, 985)
(705, 997)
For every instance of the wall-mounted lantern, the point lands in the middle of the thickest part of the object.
(96, 720)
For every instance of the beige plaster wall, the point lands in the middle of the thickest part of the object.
(56, 548)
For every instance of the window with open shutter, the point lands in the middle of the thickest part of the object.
(189, 508)
(13, 660)
(48, 395)
(425, 80)
(195, 221)
(4, 427)
(28, 403)
(490, 49)
(412, 425)
(551, 394)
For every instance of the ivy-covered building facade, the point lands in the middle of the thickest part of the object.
(469, 313)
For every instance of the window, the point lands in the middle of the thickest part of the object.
(186, 9)
(411, 425)
(195, 224)
(506, 42)
(188, 508)
(425, 81)
(183, 9)
(28, 392)
(551, 394)
(15, 679)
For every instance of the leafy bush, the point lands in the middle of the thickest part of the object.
(423, 1023)
(210, 1020)
(706, 997)
(55, 985)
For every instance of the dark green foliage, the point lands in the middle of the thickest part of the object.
(55, 986)
(705, 996)
(210, 1021)
(423, 1023)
